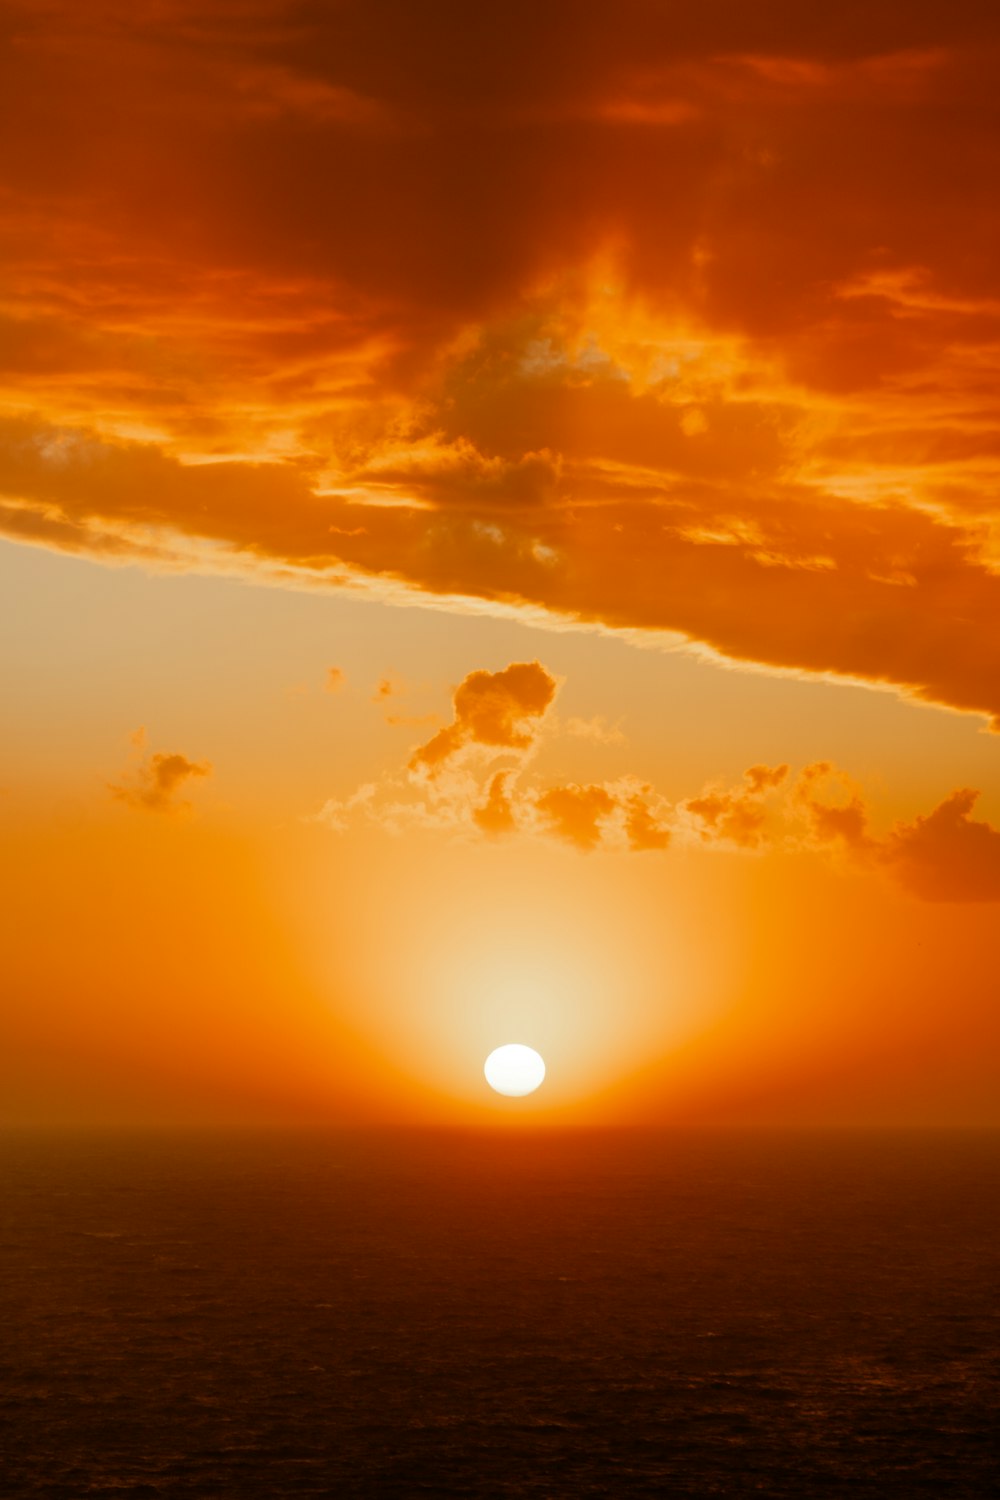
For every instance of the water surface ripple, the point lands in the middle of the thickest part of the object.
(599, 1314)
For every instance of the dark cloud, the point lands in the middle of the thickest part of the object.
(637, 319)
(878, 592)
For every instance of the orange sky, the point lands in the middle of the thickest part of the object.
(500, 541)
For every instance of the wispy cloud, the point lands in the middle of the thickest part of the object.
(154, 782)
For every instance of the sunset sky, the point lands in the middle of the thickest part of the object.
(500, 542)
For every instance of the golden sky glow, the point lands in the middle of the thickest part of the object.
(500, 543)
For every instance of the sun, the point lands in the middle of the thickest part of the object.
(514, 1070)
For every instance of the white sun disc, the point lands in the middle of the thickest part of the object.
(514, 1070)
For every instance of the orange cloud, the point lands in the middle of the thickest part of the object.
(760, 779)
(392, 686)
(153, 786)
(729, 817)
(336, 678)
(642, 829)
(834, 807)
(737, 817)
(496, 815)
(754, 408)
(942, 856)
(498, 710)
(576, 813)
(947, 855)
(597, 729)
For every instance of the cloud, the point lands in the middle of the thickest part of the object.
(597, 729)
(497, 710)
(760, 779)
(834, 807)
(336, 678)
(728, 816)
(737, 816)
(456, 473)
(337, 814)
(947, 855)
(753, 409)
(154, 784)
(391, 687)
(642, 829)
(577, 813)
(608, 815)
(496, 815)
(944, 855)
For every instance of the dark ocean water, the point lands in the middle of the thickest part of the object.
(415, 1314)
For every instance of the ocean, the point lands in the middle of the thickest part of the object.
(392, 1313)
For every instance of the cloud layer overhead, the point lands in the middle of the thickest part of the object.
(687, 323)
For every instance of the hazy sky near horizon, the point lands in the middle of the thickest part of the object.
(499, 541)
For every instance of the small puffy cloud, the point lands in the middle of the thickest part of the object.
(834, 807)
(737, 816)
(154, 784)
(336, 678)
(947, 855)
(387, 687)
(577, 813)
(728, 816)
(336, 815)
(760, 779)
(499, 710)
(623, 814)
